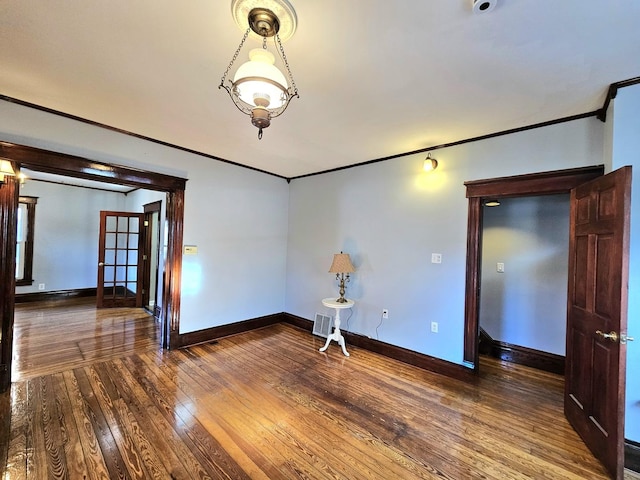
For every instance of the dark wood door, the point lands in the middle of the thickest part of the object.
(120, 259)
(596, 317)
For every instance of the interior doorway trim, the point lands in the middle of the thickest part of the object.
(543, 183)
(151, 257)
(73, 166)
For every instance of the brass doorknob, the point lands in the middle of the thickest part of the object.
(613, 336)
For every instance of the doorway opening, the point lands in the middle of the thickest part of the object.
(478, 191)
(77, 167)
(523, 290)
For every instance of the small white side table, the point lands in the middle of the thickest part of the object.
(336, 335)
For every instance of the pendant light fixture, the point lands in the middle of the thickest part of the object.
(259, 88)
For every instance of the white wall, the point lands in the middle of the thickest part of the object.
(67, 226)
(626, 151)
(391, 216)
(526, 305)
(237, 217)
(260, 239)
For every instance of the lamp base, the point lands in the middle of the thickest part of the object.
(341, 300)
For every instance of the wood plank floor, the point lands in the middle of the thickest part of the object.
(267, 405)
(53, 336)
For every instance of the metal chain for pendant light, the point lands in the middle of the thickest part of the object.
(235, 56)
(286, 64)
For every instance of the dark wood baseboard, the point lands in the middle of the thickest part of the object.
(392, 351)
(54, 295)
(549, 362)
(632, 455)
(210, 334)
(398, 353)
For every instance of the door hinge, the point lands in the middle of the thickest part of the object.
(146, 223)
(144, 257)
(143, 291)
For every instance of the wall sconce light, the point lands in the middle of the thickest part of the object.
(492, 203)
(342, 265)
(6, 170)
(259, 88)
(430, 164)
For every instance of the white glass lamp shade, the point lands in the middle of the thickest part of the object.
(5, 169)
(270, 92)
(430, 164)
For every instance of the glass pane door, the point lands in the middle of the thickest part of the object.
(119, 259)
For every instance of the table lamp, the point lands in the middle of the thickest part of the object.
(341, 265)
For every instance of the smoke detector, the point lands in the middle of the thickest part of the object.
(484, 6)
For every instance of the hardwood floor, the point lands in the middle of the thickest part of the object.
(267, 405)
(53, 336)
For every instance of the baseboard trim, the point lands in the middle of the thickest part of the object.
(404, 355)
(54, 295)
(549, 362)
(397, 353)
(211, 334)
(632, 455)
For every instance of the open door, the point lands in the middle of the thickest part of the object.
(120, 260)
(596, 316)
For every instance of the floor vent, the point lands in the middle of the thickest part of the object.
(322, 325)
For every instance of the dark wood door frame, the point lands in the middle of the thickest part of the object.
(9, 194)
(544, 183)
(149, 234)
(72, 166)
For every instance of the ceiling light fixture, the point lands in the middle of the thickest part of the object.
(259, 88)
(429, 163)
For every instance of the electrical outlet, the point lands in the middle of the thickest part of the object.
(41, 286)
(385, 313)
(434, 327)
(436, 258)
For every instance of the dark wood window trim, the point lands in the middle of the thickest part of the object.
(27, 272)
(62, 164)
(544, 183)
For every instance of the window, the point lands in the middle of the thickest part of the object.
(24, 241)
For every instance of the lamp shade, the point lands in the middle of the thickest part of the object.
(341, 264)
(6, 168)
(430, 164)
(259, 82)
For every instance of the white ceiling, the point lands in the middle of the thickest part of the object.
(376, 77)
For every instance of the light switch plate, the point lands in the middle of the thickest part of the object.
(190, 250)
(436, 258)
(500, 267)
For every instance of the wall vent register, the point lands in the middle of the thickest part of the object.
(322, 325)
